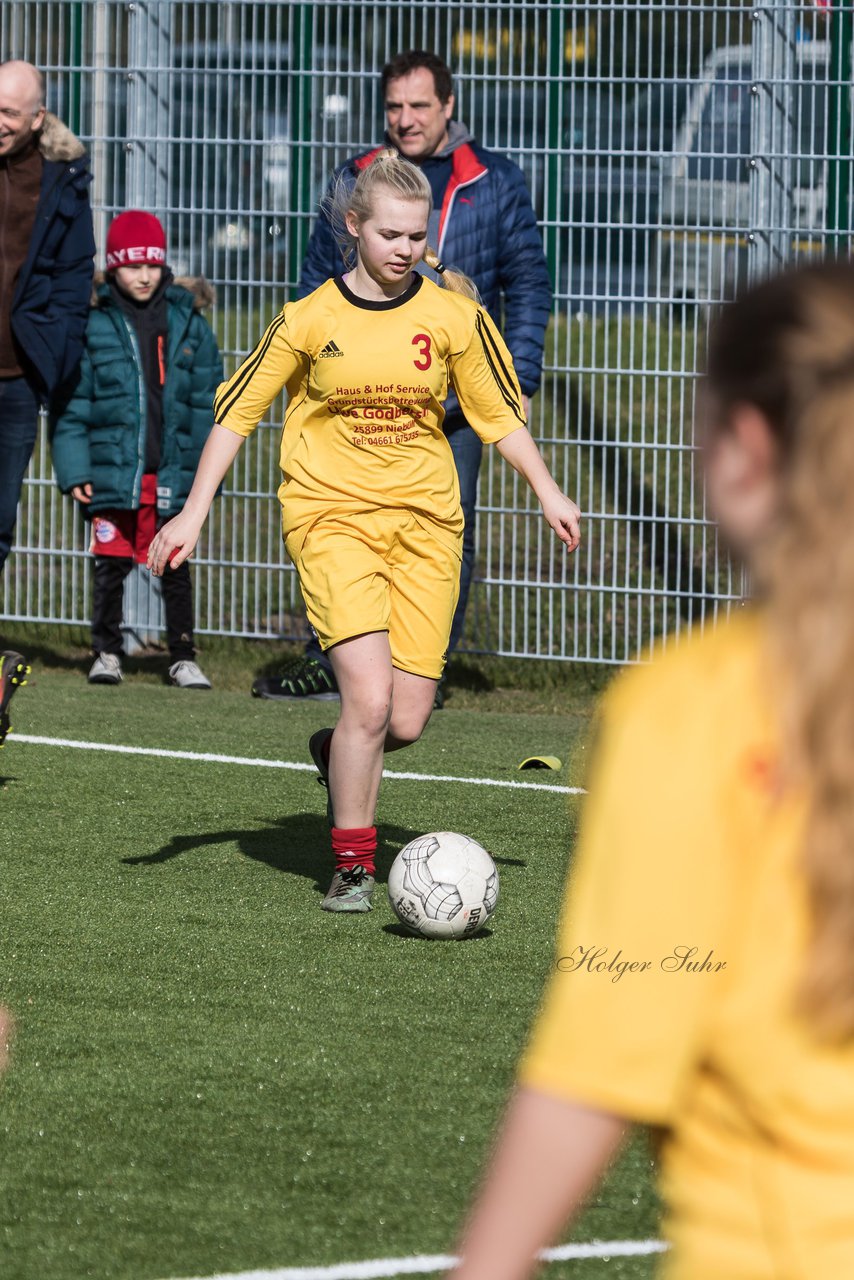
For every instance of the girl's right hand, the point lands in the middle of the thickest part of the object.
(82, 493)
(174, 543)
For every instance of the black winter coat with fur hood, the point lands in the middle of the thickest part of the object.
(51, 302)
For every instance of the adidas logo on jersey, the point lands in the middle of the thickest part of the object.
(330, 350)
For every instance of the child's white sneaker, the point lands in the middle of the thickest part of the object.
(188, 675)
(106, 669)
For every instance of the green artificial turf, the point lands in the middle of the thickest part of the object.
(209, 1073)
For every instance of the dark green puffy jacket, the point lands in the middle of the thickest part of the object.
(99, 437)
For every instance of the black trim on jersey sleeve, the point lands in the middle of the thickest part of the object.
(389, 305)
(500, 372)
(233, 391)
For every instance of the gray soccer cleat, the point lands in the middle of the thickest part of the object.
(351, 890)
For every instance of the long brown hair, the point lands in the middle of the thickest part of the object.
(387, 172)
(787, 348)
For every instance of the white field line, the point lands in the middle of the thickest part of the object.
(378, 1268)
(297, 766)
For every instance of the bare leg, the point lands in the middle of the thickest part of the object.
(412, 702)
(364, 673)
(382, 709)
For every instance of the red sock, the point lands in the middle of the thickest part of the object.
(355, 846)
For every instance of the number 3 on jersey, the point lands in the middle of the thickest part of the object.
(422, 341)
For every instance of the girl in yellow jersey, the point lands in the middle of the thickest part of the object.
(370, 501)
(704, 981)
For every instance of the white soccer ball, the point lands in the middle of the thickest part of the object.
(443, 885)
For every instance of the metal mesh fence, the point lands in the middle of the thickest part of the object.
(673, 150)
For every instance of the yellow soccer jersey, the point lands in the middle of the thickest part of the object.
(365, 384)
(679, 955)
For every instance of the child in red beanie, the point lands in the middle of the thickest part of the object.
(127, 442)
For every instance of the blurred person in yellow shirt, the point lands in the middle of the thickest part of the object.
(704, 980)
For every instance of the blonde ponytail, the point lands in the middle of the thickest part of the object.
(806, 570)
(787, 348)
(452, 279)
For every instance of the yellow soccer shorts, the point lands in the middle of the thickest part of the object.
(381, 571)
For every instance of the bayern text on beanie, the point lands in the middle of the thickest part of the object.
(135, 237)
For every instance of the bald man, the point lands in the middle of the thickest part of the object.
(46, 255)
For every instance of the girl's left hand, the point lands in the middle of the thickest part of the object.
(564, 517)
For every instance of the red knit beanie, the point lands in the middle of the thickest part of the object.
(133, 238)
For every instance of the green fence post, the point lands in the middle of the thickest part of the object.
(75, 58)
(554, 186)
(839, 167)
(301, 127)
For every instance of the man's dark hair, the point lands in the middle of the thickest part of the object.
(404, 63)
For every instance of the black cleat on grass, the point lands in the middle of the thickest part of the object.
(306, 679)
(315, 745)
(14, 670)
